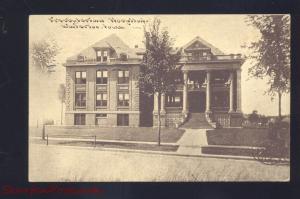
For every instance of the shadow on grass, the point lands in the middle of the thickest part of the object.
(130, 146)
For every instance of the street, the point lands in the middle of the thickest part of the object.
(69, 164)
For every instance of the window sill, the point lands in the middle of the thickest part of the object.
(101, 107)
(123, 107)
(123, 84)
(80, 107)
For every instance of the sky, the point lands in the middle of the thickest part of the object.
(226, 32)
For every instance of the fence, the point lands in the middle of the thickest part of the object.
(84, 138)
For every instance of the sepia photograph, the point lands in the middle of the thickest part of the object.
(159, 98)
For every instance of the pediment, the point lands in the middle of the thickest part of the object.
(196, 45)
(200, 44)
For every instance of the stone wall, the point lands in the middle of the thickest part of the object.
(228, 119)
(173, 119)
(222, 119)
(112, 109)
(162, 120)
(69, 89)
(134, 120)
(69, 119)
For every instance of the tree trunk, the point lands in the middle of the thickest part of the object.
(61, 113)
(279, 105)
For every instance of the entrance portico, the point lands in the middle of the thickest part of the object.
(219, 92)
(211, 84)
(215, 89)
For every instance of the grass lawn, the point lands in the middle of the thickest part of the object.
(241, 136)
(144, 134)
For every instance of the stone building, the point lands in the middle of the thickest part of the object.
(102, 88)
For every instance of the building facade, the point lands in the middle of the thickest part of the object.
(102, 87)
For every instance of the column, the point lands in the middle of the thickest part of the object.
(208, 74)
(162, 104)
(185, 93)
(238, 91)
(231, 94)
(155, 104)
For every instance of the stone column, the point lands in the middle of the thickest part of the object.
(208, 74)
(185, 93)
(155, 103)
(231, 94)
(155, 111)
(162, 104)
(162, 111)
(238, 91)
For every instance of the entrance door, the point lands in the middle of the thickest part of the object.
(197, 102)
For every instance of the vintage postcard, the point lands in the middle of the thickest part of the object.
(159, 98)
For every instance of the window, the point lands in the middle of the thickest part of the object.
(101, 99)
(80, 99)
(98, 55)
(80, 77)
(174, 100)
(79, 119)
(123, 99)
(123, 77)
(101, 77)
(100, 119)
(123, 120)
(101, 115)
(104, 56)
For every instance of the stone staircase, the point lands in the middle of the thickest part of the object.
(196, 121)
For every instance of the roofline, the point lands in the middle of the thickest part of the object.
(99, 64)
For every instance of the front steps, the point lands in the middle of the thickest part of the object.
(196, 121)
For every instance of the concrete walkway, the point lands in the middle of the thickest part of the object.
(191, 141)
